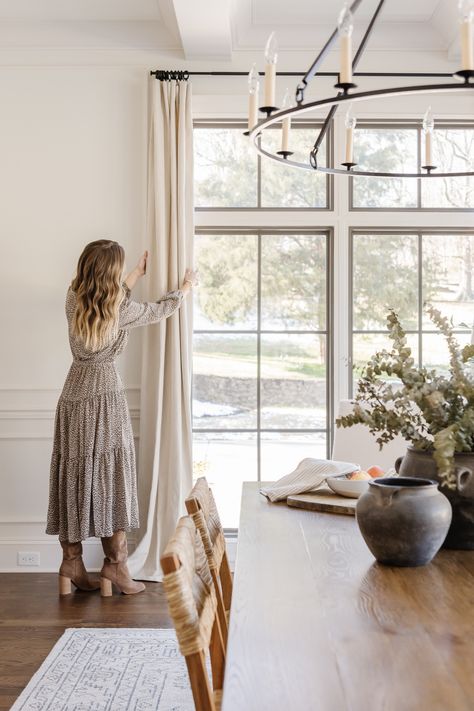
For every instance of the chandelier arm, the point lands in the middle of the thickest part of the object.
(327, 121)
(366, 36)
(320, 58)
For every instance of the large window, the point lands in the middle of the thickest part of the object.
(265, 384)
(401, 149)
(230, 174)
(405, 270)
(261, 356)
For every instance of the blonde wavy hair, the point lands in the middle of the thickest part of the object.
(99, 293)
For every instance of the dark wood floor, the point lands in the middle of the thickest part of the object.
(33, 617)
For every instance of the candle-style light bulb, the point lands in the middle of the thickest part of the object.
(286, 123)
(345, 26)
(350, 124)
(271, 56)
(271, 49)
(254, 85)
(428, 127)
(428, 121)
(466, 18)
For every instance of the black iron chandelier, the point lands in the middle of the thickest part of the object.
(347, 94)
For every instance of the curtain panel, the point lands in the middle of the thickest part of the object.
(165, 447)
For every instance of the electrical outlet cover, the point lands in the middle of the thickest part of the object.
(27, 558)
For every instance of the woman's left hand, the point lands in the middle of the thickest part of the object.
(141, 266)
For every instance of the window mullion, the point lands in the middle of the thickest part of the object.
(259, 352)
(420, 299)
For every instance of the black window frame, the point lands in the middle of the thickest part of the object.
(419, 232)
(197, 124)
(412, 124)
(328, 234)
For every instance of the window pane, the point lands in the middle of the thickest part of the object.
(284, 186)
(293, 385)
(225, 381)
(294, 282)
(225, 168)
(282, 451)
(388, 150)
(435, 350)
(365, 345)
(227, 294)
(385, 276)
(448, 279)
(226, 460)
(453, 150)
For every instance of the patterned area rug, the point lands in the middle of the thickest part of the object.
(119, 669)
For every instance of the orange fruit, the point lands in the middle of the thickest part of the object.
(360, 476)
(375, 471)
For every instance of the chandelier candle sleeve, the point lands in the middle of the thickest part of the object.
(428, 148)
(271, 56)
(466, 16)
(345, 26)
(350, 123)
(428, 126)
(254, 84)
(286, 123)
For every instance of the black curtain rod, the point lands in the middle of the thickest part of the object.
(182, 75)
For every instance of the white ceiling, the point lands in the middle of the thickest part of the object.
(316, 11)
(222, 30)
(79, 10)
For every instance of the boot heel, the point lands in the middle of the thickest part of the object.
(105, 587)
(64, 585)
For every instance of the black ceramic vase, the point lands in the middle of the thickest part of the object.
(418, 463)
(403, 520)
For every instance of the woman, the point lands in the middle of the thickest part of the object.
(93, 479)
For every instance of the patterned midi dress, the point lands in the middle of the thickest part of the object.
(92, 490)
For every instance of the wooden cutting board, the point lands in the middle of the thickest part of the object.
(323, 500)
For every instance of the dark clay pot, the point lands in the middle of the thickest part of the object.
(418, 463)
(403, 520)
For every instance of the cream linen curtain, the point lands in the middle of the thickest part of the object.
(165, 457)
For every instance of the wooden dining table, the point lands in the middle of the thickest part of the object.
(317, 624)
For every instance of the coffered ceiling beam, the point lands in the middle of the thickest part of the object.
(204, 28)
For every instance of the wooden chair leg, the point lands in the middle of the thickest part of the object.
(201, 688)
(217, 653)
(226, 581)
(220, 608)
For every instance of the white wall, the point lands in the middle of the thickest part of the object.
(72, 169)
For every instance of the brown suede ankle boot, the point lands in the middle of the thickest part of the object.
(72, 570)
(115, 568)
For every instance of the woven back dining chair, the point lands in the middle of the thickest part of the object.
(192, 603)
(201, 506)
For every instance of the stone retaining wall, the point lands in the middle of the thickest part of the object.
(241, 392)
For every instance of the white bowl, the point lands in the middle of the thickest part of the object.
(344, 486)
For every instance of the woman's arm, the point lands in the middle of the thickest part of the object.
(136, 313)
(142, 313)
(139, 271)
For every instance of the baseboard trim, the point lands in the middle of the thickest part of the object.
(50, 553)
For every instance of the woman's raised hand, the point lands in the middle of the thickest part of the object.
(141, 265)
(190, 280)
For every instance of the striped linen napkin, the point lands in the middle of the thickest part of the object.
(308, 476)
